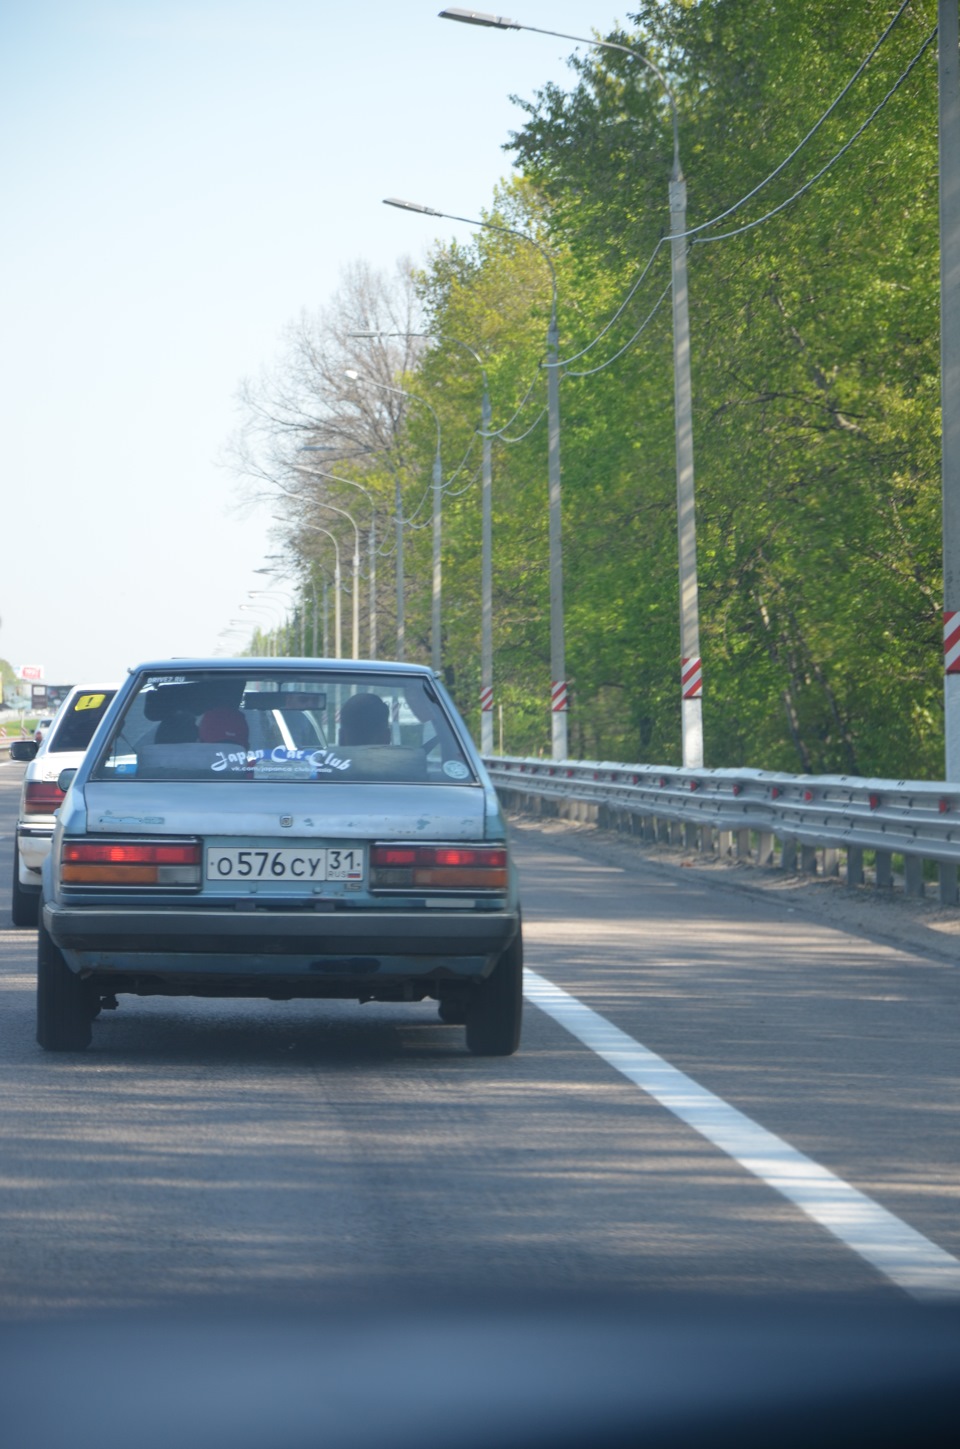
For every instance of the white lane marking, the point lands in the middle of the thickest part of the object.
(898, 1251)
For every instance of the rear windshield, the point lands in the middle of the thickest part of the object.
(272, 725)
(74, 726)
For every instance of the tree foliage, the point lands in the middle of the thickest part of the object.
(814, 277)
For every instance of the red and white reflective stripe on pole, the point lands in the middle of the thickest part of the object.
(486, 698)
(558, 696)
(691, 679)
(951, 642)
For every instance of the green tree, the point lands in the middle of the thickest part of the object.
(814, 354)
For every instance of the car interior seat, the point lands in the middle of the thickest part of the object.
(364, 720)
(224, 727)
(178, 729)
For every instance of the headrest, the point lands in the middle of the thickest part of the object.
(364, 720)
(223, 727)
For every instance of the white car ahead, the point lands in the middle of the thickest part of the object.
(62, 747)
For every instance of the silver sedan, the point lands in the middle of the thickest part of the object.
(281, 829)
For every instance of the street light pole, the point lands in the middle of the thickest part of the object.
(949, 93)
(273, 612)
(691, 674)
(284, 618)
(486, 580)
(436, 637)
(337, 589)
(486, 539)
(559, 700)
(559, 704)
(398, 570)
(372, 541)
(251, 627)
(322, 503)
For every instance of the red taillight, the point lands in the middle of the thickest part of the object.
(438, 867)
(96, 852)
(489, 859)
(130, 862)
(393, 855)
(42, 797)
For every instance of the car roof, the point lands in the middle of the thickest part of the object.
(285, 662)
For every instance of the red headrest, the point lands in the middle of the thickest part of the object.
(223, 727)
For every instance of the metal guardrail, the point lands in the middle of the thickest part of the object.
(6, 739)
(815, 818)
(12, 728)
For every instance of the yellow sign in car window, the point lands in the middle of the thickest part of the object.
(89, 701)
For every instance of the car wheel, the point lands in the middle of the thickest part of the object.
(64, 1003)
(23, 901)
(495, 1007)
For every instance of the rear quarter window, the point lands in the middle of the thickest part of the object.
(76, 725)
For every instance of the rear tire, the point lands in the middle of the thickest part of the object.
(23, 901)
(495, 1009)
(64, 1002)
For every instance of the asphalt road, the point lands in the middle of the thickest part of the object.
(302, 1153)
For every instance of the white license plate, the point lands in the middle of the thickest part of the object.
(294, 865)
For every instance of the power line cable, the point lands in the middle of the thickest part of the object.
(721, 216)
(500, 432)
(589, 372)
(738, 231)
(729, 211)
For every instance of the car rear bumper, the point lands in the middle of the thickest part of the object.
(33, 847)
(226, 941)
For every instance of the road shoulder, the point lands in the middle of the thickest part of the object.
(919, 925)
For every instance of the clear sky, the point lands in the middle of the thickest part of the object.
(179, 179)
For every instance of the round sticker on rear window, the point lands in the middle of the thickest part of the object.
(456, 769)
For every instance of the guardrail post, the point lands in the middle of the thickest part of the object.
(854, 865)
(808, 860)
(743, 844)
(788, 856)
(691, 837)
(676, 832)
(948, 883)
(831, 860)
(649, 828)
(725, 842)
(765, 847)
(884, 870)
(913, 875)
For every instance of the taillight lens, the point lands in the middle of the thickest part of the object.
(42, 797)
(438, 867)
(130, 862)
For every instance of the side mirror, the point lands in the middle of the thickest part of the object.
(65, 779)
(23, 749)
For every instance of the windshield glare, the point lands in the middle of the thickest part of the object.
(273, 725)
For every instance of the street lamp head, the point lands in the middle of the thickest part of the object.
(410, 206)
(479, 17)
